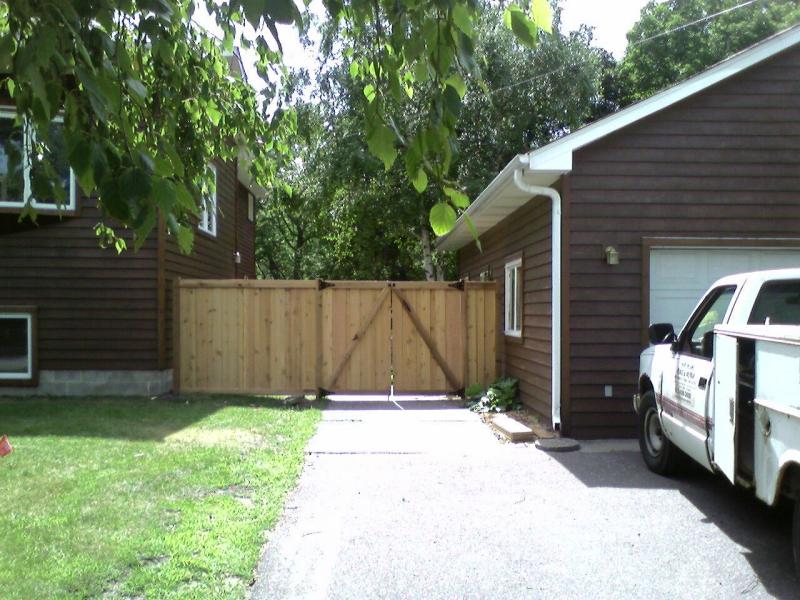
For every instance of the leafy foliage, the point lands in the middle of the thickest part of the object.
(371, 223)
(148, 98)
(652, 65)
(501, 396)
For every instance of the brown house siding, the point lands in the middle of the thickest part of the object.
(526, 231)
(246, 236)
(211, 257)
(95, 310)
(724, 163)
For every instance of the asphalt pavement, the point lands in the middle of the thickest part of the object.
(421, 501)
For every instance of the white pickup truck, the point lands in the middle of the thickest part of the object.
(725, 391)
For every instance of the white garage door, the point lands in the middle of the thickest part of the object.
(679, 276)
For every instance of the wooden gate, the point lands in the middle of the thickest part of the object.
(273, 337)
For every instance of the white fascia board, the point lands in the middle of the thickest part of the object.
(245, 158)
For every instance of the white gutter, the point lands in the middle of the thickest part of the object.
(555, 261)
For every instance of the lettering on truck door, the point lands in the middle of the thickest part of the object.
(687, 382)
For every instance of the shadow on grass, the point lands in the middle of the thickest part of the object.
(761, 531)
(143, 419)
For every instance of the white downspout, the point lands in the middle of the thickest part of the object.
(555, 360)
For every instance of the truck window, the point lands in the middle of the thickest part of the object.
(778, 303)
(710, 314)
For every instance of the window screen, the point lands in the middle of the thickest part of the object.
(778, 303)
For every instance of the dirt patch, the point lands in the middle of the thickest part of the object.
(229, 437)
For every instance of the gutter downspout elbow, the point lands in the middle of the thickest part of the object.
(555, 236)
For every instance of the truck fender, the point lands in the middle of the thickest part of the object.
(789, 462)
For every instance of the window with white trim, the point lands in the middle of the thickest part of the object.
(208, 218)
(513, 321)
(16, 346)
(18, 166)
(251, 207)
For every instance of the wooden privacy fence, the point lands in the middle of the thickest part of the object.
(273, 337)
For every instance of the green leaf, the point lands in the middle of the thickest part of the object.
(381, 144)
(213, 113)
(137, 88)
(524, 29)
(164, 194)
(353, 69)
(473, 230)
(369, 92)
(457, 83)
(463, 19)
(542, 14)
(458, 198)
(185, 237)
(443, 218)
(420, 181)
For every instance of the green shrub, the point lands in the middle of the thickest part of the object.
(501, 396)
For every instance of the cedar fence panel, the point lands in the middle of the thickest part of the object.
(287, 337)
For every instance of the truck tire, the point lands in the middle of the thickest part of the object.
(659, 454)
(796, 536)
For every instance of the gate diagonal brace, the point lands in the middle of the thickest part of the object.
(448, 373)
(357, 337)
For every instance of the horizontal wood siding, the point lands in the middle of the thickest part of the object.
(96, 309)
(211, 257)
(725, 163)
(246, 237)
(526, 231)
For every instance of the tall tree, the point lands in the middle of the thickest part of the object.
(376, 226)
(674, 39)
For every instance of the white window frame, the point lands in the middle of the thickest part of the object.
(27, 376)
(27, 194)
(513, 326)
(208, 220)
(251, 207)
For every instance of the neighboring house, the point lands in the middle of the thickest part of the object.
(652, 204)
(78, 319)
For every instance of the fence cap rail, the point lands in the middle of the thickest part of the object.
(311, 284)
(324, 283)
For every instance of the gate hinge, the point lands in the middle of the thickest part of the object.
(322, 284)
(459, 285)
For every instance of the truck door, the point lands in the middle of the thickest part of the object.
(726, 350)
(686, 385)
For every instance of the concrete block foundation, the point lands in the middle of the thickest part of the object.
(96, 383)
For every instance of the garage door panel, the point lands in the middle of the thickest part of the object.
(680, 276)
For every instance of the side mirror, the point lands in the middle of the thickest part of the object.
(707, 348)
(661, 333)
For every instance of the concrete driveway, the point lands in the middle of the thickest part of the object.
(424, 503)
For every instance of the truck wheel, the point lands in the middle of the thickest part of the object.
(659, 454)
(796, 536)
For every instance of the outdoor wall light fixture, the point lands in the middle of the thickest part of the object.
(237, 257)
(612, 256)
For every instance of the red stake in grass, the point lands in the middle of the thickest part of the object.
(5, 446)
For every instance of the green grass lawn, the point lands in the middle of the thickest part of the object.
(138, 498)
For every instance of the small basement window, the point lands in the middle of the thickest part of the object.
(16, 346)
(513, 322)
(18, 168)
(208, 218)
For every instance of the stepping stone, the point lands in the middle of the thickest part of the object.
(512, 430)
(557, 444)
